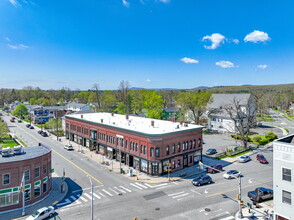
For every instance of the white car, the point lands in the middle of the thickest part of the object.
(42, 213)
(232, 174)
(244, 159)
(68, 147)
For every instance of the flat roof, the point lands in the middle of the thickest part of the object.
(287, 139)
(135, 124)
(28, 153)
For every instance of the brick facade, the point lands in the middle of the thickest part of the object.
(37, 186)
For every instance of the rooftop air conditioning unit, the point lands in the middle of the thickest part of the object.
(6, 152)
(17, 150)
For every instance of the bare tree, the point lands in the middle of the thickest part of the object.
(98, 94)
(243, 117)
(123, 94)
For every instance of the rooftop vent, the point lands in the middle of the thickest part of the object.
(17, 150)
(152, 123)
(101, 120)
(82, 116)
(127, 117)
(181, 122)
(6, 152)
(112, 114)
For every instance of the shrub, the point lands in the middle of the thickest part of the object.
(257, 139)
(263, 142)
(271, 136)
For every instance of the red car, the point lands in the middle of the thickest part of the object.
(214, 168)
(261, 158)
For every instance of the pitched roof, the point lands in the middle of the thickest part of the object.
(220, 100)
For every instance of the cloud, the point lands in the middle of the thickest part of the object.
(235, 41)
(148, 80)
(216, 40)
(7, 39)
(189, 60)
(225, 64)
(262, 66)
(257, 36)
(15, 3)
(164, 1)
(125, 3)
(17, 46)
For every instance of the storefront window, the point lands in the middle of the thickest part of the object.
(9, 199)
(37, 188)
(27, 192)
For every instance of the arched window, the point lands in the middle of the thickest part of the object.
(183, 146)
(151, 152)
(157, 153)
(187, 145)
(194, 143)
(191, 145)
(179, 147)
(167, 150)
(144, 149)
(199, 142)
(173, 148)
(136, 147)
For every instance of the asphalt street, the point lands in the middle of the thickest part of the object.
(116, 197)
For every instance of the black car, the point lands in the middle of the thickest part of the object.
(202, 180)
(31, 127)
(40, 132)
(28, 125)
(44, 134)
(211, 151)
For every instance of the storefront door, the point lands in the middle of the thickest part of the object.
(185, 160)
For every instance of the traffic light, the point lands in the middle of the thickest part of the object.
(241, 203)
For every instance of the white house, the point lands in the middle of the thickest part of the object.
(283, 169)
(223, 107)
(77, 107)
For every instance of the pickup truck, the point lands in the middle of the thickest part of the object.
(260, 194)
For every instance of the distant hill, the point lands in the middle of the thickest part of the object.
(158, 89)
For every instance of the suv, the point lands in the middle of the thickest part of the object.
(215, 168)
(68, 147)
(44, 134)
(201, 180)
(211, 151)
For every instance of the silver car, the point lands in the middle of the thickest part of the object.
(244, 159)
(42, 213)
(68, 147)
(231, 174)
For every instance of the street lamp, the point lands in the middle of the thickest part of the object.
(22, 188)
(240, 214)
(92, 211)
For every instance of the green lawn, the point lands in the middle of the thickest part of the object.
(9, 143)
(265, 117)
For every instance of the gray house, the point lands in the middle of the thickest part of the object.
(224, 107)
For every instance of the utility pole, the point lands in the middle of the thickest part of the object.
(240, 214)
(22, 186)
(92, 199)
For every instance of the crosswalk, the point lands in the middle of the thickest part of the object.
(77, 198)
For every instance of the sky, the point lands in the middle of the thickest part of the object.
(179, 44)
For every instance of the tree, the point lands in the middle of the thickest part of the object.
(152, 103)
(21, 110)
(137, 99)
(195, 103)
(98, 95)
(243, 118)
(123, 94)
(108, 101)
(121, 108)
(3, 130)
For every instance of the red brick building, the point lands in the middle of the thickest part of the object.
(35, 164)
(148, 145)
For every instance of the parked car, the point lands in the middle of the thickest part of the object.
(42, 213)
(260, 194)
(12, 120)
(28, 125)
(40, 132)
(44, 134)
(211, 151)
(19, 121)
(68, 147)
(261, 158)
(31, 127)
(215, 168)
(244, 159)
(231, 174)
(204, 179)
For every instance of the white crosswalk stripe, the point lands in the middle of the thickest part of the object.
(88, 196)
(136, 186)
(98, 197)
(108, 193)
(113, 191)
(82, 198)
(141, 185)
(125, 189)
(120, 189)
(228, 218)
(102, 194)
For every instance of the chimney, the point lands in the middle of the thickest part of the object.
(101, 120)
(112, 114)
(181, 122)
(82, 116)
(172, 120)
(127, 117)
(152, 123)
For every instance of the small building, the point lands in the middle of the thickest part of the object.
(283, 169)
(34, 163)
(170, 113)
(220, 120)
(148, 145)
(76, 107)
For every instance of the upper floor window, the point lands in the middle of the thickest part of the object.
(287, 174)
(173, 149)
(157, 152)
(199, 142)
(37, 172)
(183, 146)
(152, 152)
(194, 143)
(167, 150)
(187, 145)
(191, 145)
(5, 179)
(144, 149)
(286, 197)
(27, 175)
(179, 147)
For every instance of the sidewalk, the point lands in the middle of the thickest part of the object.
(260, 212)
(53, 198)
